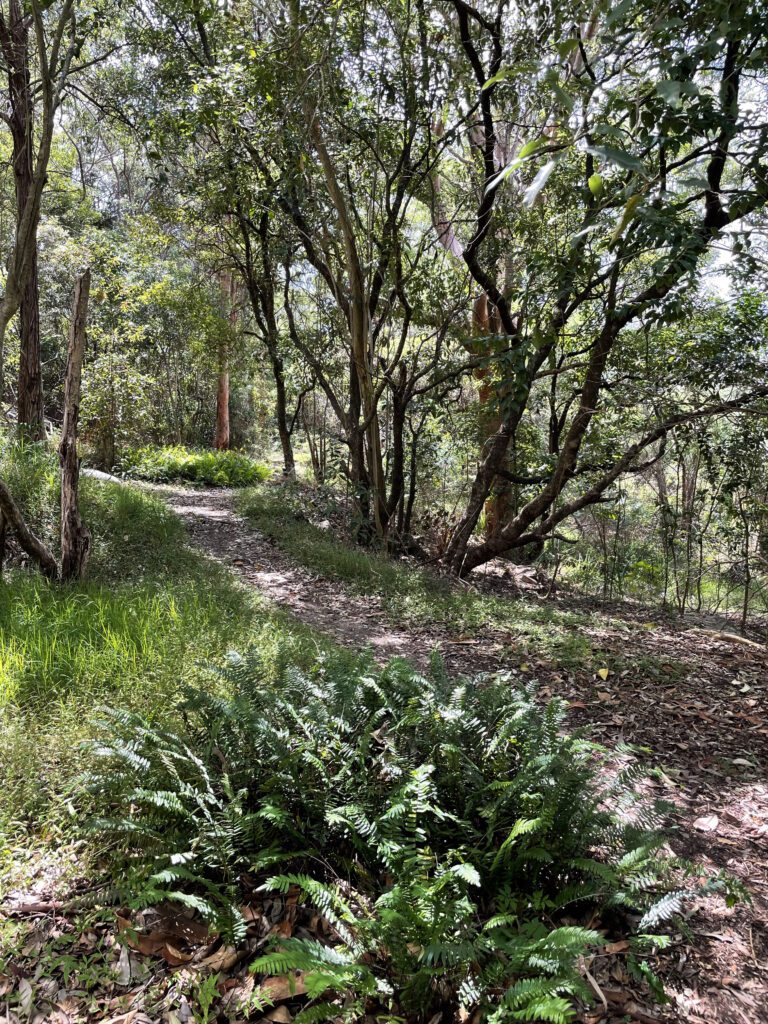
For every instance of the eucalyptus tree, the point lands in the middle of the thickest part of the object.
(39, 46)
(607, 153)
(351, 172)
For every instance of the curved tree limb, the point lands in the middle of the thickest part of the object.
(29, 542)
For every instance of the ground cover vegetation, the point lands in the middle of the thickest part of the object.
(217, 468)
(468, 302)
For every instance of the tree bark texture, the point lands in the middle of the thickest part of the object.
(222, 436)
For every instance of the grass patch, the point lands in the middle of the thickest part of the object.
(198, 465)
(411, 595)
(136, 631)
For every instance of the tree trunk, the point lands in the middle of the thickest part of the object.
(399, 407)
(75, 536)
(281, 412)
(222, 436)
(30, 397)
(30, 408)
(261, 291)
(318, 469)
(486, 323)
(221, 439)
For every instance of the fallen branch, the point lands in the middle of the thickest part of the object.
(734, 637)
(35, 548)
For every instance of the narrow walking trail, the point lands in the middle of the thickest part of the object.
(355, 622)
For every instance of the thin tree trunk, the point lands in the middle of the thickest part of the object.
(281, 412)
(30, 409)
(75, 536)
(261, 291)
(314, 451)
(412, 480)
(222, 436)
(31, 154)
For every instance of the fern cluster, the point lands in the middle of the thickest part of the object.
(451, 833)
(202, 466)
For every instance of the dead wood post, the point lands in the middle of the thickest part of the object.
(75, 536)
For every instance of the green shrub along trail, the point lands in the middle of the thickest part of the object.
(200, 466)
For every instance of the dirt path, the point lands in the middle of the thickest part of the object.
(355, 622)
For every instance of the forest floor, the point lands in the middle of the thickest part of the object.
(690, 691)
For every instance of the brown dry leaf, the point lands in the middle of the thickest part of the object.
(222, 959)
(284, 986)
(239, 994)
(149, 944)
(26, 997)
(161, 941)
(602, 695)
(284, 929)
(279, 1015)
(617, 947)
(174, 956)
(178, 925)
(640, 1013)
(707, 823)
(69, 1003)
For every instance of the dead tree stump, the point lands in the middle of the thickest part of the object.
(75, 536)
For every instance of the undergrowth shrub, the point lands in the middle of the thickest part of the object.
(217, 468)
(463, 849)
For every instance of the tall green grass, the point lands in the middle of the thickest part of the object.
(151, 613)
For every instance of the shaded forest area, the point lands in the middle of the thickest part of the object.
(383, 511)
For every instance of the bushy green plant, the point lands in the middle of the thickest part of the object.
(217, 468)
(453, 836)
